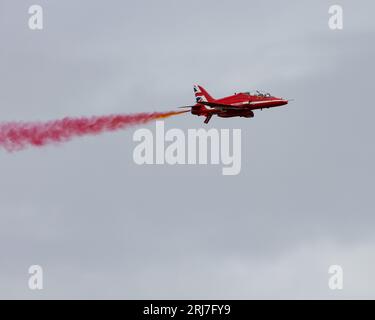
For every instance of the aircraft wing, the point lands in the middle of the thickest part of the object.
(220, 106)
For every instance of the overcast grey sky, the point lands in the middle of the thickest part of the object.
(103, 227)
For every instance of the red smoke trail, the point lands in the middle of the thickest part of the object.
(16, 136)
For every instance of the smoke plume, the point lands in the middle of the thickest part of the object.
(16, 136)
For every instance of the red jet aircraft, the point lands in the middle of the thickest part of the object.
(238, 105)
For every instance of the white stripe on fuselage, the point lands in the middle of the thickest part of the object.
(266, 101)
(255, 102)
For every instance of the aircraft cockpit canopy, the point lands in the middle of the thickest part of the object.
(257, 93)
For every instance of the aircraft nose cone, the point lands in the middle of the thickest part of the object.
(283, 101)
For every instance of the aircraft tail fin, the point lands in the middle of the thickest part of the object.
(202, 95)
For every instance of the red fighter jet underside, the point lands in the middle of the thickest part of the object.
(237, 105)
